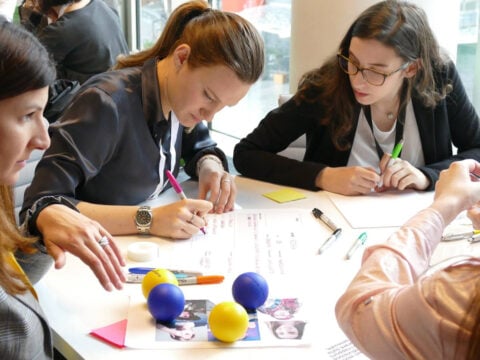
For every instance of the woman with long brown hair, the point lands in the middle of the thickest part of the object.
(25, 74)
(112, 147)
(387, 84)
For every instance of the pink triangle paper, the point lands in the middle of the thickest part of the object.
(113, 334)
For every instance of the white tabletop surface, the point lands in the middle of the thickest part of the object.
(75, 303)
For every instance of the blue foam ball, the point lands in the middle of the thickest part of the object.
(250, 290)
(165, 302)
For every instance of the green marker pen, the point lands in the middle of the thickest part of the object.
(360, 241)
(397, 149)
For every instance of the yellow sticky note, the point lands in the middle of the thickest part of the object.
(285, 195)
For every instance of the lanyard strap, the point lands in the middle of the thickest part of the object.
(398, 127)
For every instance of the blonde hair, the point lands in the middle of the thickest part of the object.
(215, 38)
(10, 240)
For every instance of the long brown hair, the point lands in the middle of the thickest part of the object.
(24, 66)
(397, 24)
(215, 38)
(10, 241)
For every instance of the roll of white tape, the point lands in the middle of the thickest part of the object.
(142, 251)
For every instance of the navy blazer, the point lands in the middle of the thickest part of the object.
(104, 148)
(452, 121)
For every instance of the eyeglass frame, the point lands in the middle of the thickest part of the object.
(360, 69)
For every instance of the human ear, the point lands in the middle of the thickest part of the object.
(181, 54)
(412, 69)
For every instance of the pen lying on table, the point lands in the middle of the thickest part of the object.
(471, 236)
(335, 235)
(188, 280)
(360, 241)
(326, 220)
(144, 270)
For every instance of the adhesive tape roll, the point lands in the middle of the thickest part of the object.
(142, 251)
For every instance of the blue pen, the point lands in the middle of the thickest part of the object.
(360, 241)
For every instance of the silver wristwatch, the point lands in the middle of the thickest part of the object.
(143, 219)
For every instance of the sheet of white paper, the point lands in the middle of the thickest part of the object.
(388, 209)
(281, 245)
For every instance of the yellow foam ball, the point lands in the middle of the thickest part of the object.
(228, 321)
(156, 277)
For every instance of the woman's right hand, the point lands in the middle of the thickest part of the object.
(457, 190)
(181, 219)
(64, 229)
(351, 180)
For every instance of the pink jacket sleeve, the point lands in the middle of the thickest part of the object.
(392, 311)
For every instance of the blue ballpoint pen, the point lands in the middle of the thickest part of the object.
(335, 235)
(360, 241)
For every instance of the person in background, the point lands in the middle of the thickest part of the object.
(387, 83)
(112, 146)
(84, 37)
(398, 308)
(26, 71)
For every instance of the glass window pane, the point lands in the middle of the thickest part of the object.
(272, 19)
(468, 49)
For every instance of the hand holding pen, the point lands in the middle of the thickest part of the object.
(386, 161)
(400, 174)
(178, 189)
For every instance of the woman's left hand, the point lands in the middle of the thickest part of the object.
(400, 174)
(217, 186)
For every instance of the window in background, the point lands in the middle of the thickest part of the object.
(468, 49)
(272, 19)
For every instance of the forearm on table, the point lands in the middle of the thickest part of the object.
(117, 219)
(390, 267)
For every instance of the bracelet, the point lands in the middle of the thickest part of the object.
(208, 157)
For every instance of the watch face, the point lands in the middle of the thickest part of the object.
(144, 217)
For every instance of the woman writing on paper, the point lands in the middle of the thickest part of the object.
(398, 308)
(387, 82)
(125, 128)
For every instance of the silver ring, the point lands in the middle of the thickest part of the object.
(226, 180)
(103, 241)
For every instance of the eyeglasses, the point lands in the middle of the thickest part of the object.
(371, 76)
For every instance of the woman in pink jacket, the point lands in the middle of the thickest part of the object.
(398, 308)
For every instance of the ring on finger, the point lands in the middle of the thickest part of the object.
(103, 241)
(226, 180)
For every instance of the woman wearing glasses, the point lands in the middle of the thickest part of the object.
(388, 84)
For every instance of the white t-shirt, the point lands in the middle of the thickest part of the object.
(364, 151)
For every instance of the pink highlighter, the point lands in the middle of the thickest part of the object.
(178, 189)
